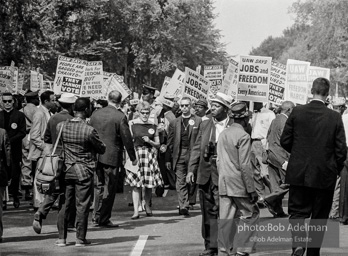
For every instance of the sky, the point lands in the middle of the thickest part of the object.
(246, 23)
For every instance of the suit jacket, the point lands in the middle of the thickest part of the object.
(277, 155)
(204, 170)
(37, 145)
(112, 127)
(5, 159)
(233, 162)
(314, 135)
(16, 132)
(174, 137)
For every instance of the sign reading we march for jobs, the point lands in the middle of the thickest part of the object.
(253, 78)
(69, 75)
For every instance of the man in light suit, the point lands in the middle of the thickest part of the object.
(112, 127)
(236, 185)
(315, 137)
(277, 161)
(202, 169)
(37, 146)
(182, 135)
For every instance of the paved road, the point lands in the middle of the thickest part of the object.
(166, 233)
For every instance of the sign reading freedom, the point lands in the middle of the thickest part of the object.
(253, 78)
(195, 86)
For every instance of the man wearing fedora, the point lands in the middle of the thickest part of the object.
(182, 135)
(202, 169)
(66, 102)
(236, 185)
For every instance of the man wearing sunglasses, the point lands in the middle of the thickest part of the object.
(13, 121)
(182, 135)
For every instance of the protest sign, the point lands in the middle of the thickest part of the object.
(20, 82)
(253, 78)
(176, 83)
(5, 79)
(313, 73)
(214, 73)
(69, 75)
(135, 95)
(34, 81)
(164, 87)
(297, 81)
(93, 80)
(195, 86)
(116, 83)
(277, 83)
(230, 82)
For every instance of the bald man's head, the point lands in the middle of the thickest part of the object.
(115, 97)
(287, 107)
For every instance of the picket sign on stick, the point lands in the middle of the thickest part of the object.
(230, 82)
(253, 78)
(195, 86)
(93, 81)
(176, 83)
(116, 83)
(70, 74)
(277, 83)
(214, 73)
(297, 81)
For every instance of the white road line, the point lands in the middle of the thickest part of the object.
(139, 246)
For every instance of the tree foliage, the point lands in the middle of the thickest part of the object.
(141, 39)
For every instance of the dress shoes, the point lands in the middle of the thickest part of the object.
(16, 203)
(209, 252)
(81, 243)
(299, 251)
(135, 217)
(109, 224)
(270, 208)
(60, 242)
(37, 223)
(282, 215)
(184, 211)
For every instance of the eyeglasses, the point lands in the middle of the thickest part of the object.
(7, 101)
(184, 105)
(144, 113)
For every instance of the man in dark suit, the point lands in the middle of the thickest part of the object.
(202, 169)
(112, 127)
(277, 160)
(5, 171)
(182, 135)
(13, 121)
(315, 137)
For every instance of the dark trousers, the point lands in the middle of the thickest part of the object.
(163, 169)
(186, 192)
(80, 192)
(2, 192)
(276, 177)
(209, 201)
(106, 189)
(305, 202)
(51, 198)
(15, 176)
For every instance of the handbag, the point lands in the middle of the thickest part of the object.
(49, 167)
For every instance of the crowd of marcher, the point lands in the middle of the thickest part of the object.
(236, 160)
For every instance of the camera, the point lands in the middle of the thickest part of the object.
(210, 151)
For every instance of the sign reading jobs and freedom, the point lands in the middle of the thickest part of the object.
(195, 86)
(297, 81)
(93, 80)
(253, 78)
(230, 82)
(313, 73)
(214, 73)
(277, 83)
(69, 75)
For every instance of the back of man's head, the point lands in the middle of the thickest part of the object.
(321, 87)
(286, 106)
(115, 97)
(81, 104)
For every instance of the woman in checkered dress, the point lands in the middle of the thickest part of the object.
(146, 142)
